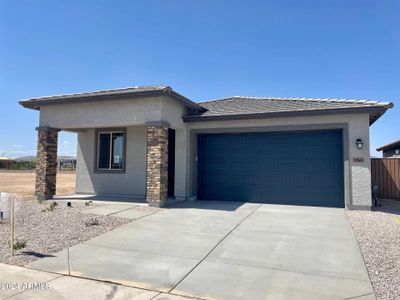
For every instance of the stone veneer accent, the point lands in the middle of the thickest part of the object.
(46, 164)
(157, 165)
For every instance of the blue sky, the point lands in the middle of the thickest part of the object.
(203, 49)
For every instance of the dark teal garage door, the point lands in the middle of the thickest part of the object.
(298, 168)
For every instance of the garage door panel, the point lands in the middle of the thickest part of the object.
(248, 180)
(282, 179)
(280, 150)
(248, 139)
(245, 193)
(321, 166)
(243, 166)
(279, 166)
(302, 168)
(321, 180)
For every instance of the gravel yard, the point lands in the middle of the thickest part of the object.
(378, 234)
(48, 231)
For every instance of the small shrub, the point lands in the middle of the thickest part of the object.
(90, 202)
(92, 222)
(19, 245)
(51, 207)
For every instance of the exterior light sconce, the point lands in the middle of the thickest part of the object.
(359, 144)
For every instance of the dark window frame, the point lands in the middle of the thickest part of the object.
(98, 131)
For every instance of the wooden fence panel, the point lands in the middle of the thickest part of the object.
(385, 173)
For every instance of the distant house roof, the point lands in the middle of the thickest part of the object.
(26, 158)
(3, 158)
(239, 107)
(115, 94)
(389, 146)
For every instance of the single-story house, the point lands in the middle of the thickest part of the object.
(152, 143)
(5, 162)
(390, 150)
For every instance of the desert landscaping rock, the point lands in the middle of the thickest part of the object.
(378, 234)
(46, 232)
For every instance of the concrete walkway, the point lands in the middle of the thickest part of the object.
(216, 250)
(18, 283)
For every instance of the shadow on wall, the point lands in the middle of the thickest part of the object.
(388, 206)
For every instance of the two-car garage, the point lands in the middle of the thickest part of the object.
(297, 168)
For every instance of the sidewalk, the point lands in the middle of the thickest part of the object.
(19, 283)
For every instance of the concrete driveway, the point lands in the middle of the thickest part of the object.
(227, 250)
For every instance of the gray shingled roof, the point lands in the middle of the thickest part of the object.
(113, 94)
(237, 107)
(121, 91)
(242, 106)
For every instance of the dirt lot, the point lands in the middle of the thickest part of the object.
(23, 183)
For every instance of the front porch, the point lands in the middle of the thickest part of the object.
(132, 167)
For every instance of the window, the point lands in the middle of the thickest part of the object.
(110, 150)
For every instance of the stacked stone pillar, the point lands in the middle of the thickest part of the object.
(157, 165)
(46, 163)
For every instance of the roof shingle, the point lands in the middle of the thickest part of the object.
(252, 106)
(113, 94)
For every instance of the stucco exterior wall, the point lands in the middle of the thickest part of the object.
(102, 114)
(132, 182)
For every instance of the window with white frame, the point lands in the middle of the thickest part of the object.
(110, 150)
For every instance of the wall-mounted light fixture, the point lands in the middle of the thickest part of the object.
(359, 144)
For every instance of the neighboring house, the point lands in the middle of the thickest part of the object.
(60, 159)
(66, 163)
(151, 142)
(5, 162)
(26, 159)
(391, 150)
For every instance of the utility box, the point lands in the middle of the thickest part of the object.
(5, 206)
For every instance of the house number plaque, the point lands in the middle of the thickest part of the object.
(358, 159)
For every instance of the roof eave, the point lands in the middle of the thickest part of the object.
(375, 113)
(37, 103)
(389, 146)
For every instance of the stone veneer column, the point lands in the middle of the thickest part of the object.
(46, 163)
(157, 165)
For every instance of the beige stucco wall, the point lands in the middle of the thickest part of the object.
(132, 182)
(102, 114)
(134, 113)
